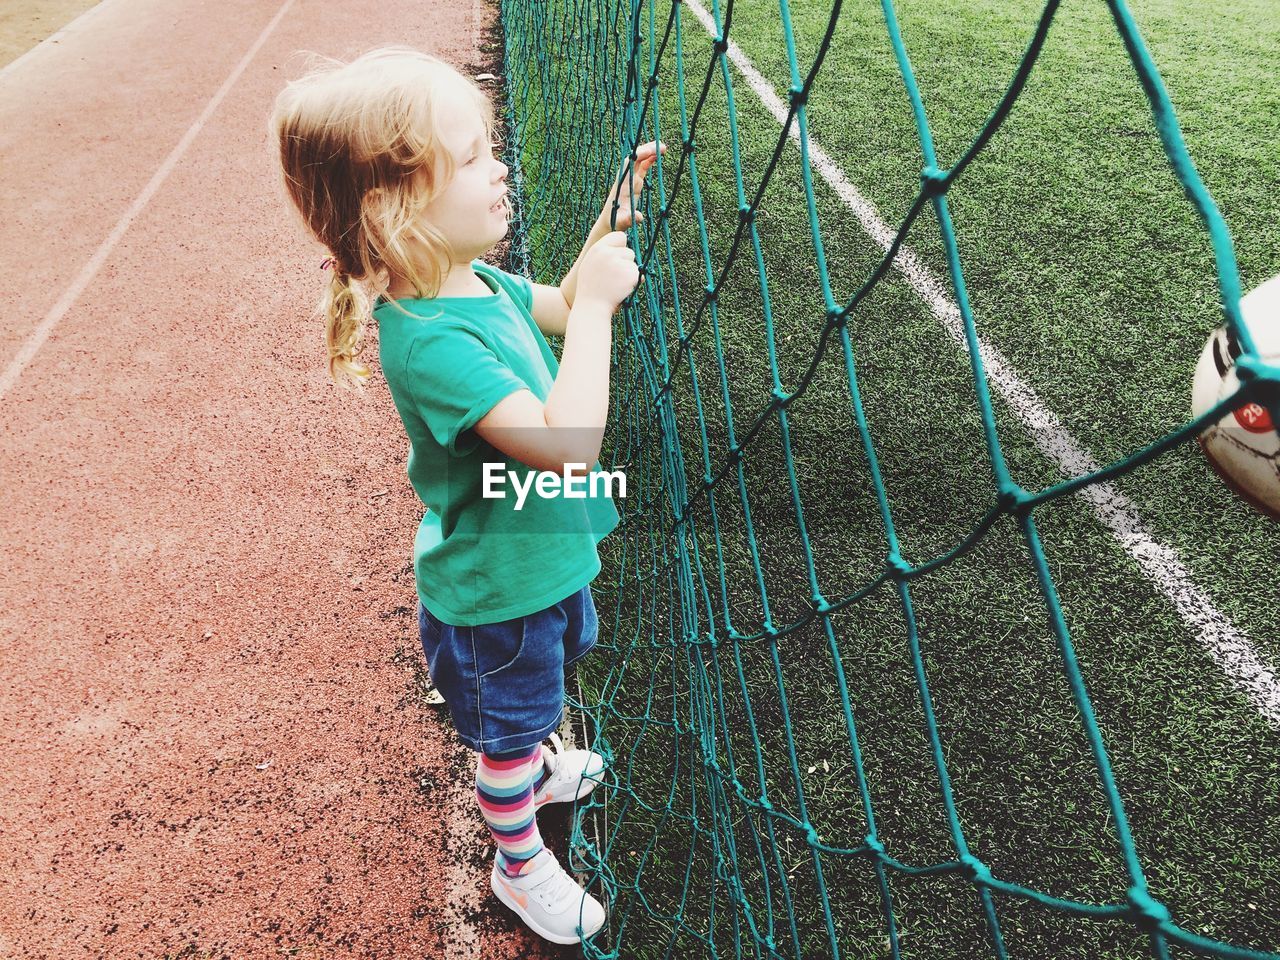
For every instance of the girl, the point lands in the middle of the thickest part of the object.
(389, 160)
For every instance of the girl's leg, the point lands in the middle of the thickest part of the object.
(505, 785)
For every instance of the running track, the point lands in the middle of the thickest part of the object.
(211, 742)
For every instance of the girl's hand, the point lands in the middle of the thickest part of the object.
(608, 273)
(646, 156)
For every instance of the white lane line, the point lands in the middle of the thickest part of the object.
(1230, 648)
(463, 884)
(76, 25)
(90, 270)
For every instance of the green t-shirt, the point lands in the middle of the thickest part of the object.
(479, 559)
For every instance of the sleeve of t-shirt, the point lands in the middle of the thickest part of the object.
(455, 378)
(525, 289)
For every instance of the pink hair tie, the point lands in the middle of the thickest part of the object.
(328, 263)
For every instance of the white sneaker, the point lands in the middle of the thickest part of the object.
(574, 773)
(549, 901)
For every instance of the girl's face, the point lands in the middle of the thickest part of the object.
(472, 210)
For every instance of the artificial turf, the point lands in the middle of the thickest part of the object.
(1087, 268)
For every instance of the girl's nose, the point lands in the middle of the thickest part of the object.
(503, 167)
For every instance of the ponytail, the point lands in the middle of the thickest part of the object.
(362, 156)
(345, 309)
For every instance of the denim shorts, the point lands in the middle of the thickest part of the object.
(504, 681)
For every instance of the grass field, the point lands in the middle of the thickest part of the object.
(1088, 269)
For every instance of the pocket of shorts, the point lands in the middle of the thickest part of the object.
(489, 636)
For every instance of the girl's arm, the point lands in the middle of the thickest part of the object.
(569, 426)
(568, 288)
(551, 305)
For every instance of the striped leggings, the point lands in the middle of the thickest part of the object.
(505, 785)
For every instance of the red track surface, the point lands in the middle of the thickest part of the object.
(206, 544)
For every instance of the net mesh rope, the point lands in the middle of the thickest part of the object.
(704, 839)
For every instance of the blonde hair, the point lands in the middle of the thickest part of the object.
(361, 157)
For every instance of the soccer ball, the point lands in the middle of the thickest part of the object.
(1244, 446)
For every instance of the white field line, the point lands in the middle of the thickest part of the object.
(90, 270)
(462, 834)
(1229, 647)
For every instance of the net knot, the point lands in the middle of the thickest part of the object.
(975, 870)
(811, 835)
(720, 46)
(874, 846)
(798, 96)
(820, 604)
(898, 567)
(1013, 498)
(735, 453)
(1147, 912)
(765, 804)
(934, 181)
(687, 144)
(781, 396)
(746, 214)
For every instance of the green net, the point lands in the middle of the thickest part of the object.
(778, 679)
